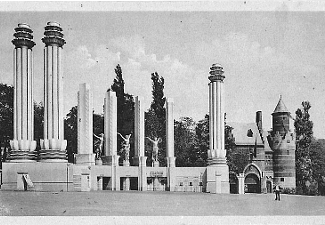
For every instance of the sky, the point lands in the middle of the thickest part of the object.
(265, 54)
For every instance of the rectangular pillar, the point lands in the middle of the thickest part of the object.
(85, 126)
(170, 132)
(142, 177)
(110, 124)
(138, 130)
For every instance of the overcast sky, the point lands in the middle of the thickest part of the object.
(264, 55)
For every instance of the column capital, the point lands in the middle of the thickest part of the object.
(216, 73)
(23, 36)
(53, 35)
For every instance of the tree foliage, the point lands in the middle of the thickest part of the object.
(317, 156)
(6, 118)
(304, 135)
(98, 129)
(71, 132)
(125, 109)
(237, 158)
(185, 141)
(155, 118)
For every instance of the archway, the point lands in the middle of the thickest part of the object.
(269, 186)
(253, 183)
(233, 180)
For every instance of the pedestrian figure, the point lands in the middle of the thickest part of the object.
(277, 192)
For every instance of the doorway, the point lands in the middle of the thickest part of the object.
(253, 183)
(233, 180)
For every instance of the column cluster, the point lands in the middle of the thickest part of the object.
(53, 145)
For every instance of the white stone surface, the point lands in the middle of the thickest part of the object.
(85, 120)
(53, 95)
(170, 132)
(110, 124)
(216, 123)
(23, 118)
(139, 127)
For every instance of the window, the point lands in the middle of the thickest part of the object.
(181, 184)
(282, 179)
(288, 152)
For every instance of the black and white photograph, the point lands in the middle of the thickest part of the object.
(162, 112)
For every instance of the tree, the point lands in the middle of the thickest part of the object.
(158, 98)
(71, 132)
(234, 158)
(6, 118)
(304, 136)
(155, 118)
(125, 109)
(317, 156)
(202, 141)
(98, 123)
(237, 158)
(185, 139)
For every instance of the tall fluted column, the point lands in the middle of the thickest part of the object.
(53, 146)
(23, 146)
(217, 170)
(217, 113)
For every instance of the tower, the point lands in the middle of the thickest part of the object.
(53, 146)
(23, 146)
(283, 146)
(218, 170)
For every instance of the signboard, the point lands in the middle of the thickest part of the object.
(156, 173)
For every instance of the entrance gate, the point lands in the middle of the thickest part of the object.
(253, 183)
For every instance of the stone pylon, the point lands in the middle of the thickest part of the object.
(53, 146)
(85, 126)
(23, 146)
(139, 157)
(110, 156)
(170, 132)
(218, 170)
(171, 171)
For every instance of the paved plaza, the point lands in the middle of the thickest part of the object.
(107, 203)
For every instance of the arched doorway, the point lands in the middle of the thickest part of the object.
(233, 180)
(253, 183)
(269, 186)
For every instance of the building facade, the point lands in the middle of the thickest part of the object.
(270, 154)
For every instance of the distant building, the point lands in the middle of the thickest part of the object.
(271, 155)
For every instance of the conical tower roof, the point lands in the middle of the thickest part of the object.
(280, 107)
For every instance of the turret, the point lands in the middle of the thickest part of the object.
(281, 117)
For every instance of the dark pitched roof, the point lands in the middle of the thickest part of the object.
(241, 130)
(280, 107)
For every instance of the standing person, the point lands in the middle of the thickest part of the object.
(277, 192)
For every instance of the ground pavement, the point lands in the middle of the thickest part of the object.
(133, 203)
